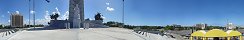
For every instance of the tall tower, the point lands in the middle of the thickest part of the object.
(76, 13)
(16, 20)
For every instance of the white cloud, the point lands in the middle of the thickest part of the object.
(38, 21)
(47, 15)
(103, 17)
(9, 21)
(45, 20)
(17, 12)
(57, 11)
(32, 12)
(5, 23)
(53, 12)
(42, 21)
(56, 8)
(107, 3)
(110, 9)
(27, 21)
(8, 12)
(65, 16)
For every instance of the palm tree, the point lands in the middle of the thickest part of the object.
(51, 16)
(54, 16)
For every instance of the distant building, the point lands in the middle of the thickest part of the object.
(176, 25)
(230, 26)
(16, 20)
(201, 25)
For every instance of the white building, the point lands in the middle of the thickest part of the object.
(16, 20)
(201, 25)
(230, 26)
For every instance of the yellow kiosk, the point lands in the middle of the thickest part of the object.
(215, 33)
(234, 33)
(198, 34)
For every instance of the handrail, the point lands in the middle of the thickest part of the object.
(5, 34)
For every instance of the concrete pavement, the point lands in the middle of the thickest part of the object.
(45, 35)
(109, 34)
(79, 34)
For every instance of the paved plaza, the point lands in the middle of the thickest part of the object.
(79, 34)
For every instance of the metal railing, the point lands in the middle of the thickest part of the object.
(8, 33)
(153, 35)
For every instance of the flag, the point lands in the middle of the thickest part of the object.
(47, 1)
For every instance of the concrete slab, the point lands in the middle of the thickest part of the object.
(108, 34)
(45, 35)
(78, 34)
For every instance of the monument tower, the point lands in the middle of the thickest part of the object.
(76, 13)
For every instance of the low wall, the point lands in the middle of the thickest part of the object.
(58, 24)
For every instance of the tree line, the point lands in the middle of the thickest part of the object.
(167, 27)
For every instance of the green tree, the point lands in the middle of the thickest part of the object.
(113, 24)
(1, 26)
(161, 30)
(169, 27)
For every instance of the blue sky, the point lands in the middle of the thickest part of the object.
(184, 12)
(61, 7)
(139, 12)
(41, 6)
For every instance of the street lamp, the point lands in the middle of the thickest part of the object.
(29, 13)
(123, 14)
(32, 12)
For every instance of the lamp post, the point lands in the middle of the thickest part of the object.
(123, 14)
(33, 7)
(29, 13)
